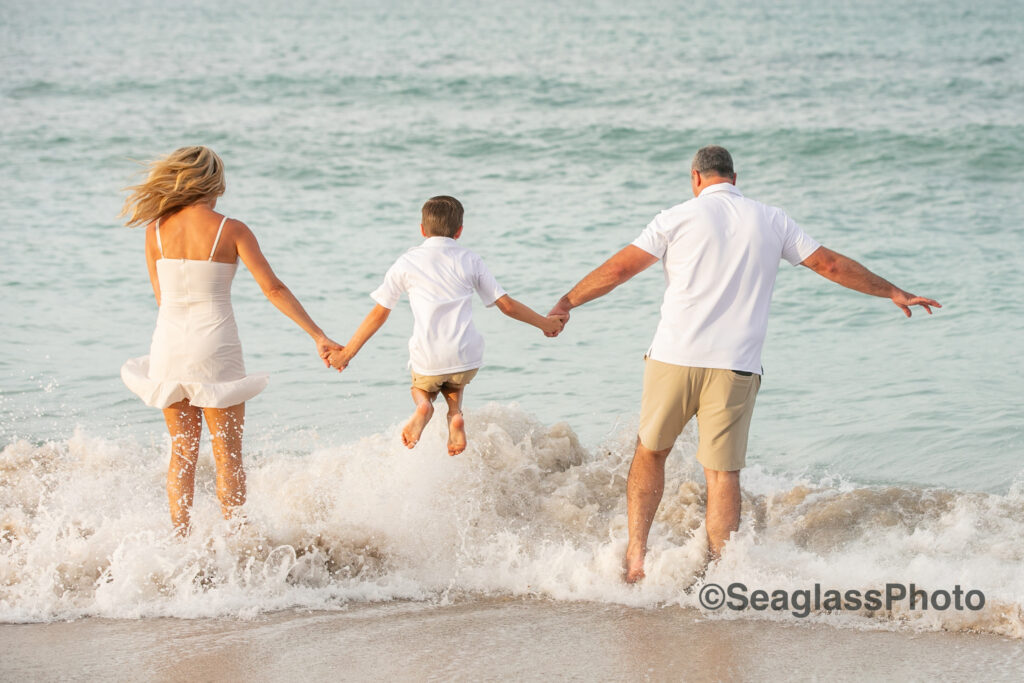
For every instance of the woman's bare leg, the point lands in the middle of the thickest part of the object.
(226, 426)
(185, 425)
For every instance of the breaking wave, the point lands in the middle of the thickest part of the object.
(526, 511)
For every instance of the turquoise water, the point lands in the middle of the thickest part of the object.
(891, 131)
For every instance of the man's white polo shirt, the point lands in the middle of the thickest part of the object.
(721, 254)
(440, 277)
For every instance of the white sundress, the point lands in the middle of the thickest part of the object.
(195, 352)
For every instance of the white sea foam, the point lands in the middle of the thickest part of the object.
(84, 531)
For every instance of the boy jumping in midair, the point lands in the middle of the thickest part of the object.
(445, 350)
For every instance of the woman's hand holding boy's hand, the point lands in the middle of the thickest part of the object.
(324, 345)
(554, 325)
(338, 358)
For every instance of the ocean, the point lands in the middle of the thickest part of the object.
(882, 449)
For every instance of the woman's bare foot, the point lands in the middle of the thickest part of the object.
(414, 427)
(456, 434)
(634, 564)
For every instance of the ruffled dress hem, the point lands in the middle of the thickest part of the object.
(163, 394)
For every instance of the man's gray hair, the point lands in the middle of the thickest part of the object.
(713, 160)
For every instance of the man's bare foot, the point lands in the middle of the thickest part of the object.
(414, 427)
(634, 564)
(456, 434)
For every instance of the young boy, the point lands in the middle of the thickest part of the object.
(445, 350)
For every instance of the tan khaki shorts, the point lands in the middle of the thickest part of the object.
(434, 383)
(722, 400)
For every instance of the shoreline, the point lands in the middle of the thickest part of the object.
(489, 639)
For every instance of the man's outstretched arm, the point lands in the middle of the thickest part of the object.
(852, 275)
(621, 267)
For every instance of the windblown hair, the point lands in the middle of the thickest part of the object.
(713, 159)
(442, 216)
(184, 177)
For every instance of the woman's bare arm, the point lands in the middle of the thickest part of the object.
(275, 290)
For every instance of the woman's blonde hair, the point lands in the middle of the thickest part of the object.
(184, 177)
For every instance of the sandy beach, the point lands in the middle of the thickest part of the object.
(489, 640)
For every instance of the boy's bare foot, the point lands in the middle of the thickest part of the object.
(414, 427)
(634, 564)
(456, 434)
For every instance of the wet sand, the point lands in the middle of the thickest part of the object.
(489, 640)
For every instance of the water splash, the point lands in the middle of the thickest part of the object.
(526, 511)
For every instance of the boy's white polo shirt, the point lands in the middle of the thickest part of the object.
(721, 254)
(440, 277)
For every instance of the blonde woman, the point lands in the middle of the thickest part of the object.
(194, 369)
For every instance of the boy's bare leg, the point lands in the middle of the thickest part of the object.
(456, 423)
(420, 417)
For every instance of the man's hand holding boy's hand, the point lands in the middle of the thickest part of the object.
(560, 311)
(554, 325)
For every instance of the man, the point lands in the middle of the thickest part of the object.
(721, 254)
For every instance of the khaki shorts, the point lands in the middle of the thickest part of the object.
(434, 383)
(722, 400)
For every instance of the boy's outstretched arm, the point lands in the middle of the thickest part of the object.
(550, 325)
(340, 358)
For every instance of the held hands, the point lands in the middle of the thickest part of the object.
(338, 359)
(554, 324)
(905, 300)
(325, 346)
(560, 312)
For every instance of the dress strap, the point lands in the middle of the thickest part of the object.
(217, 238)
(159, 244)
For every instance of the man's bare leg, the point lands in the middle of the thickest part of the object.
(723, 511)
(420, 417)
(644, 487)
(456, 423)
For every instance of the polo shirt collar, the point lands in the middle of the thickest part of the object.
(720, 187)
(438, 241)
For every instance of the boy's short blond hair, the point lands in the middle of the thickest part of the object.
(442, 216)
